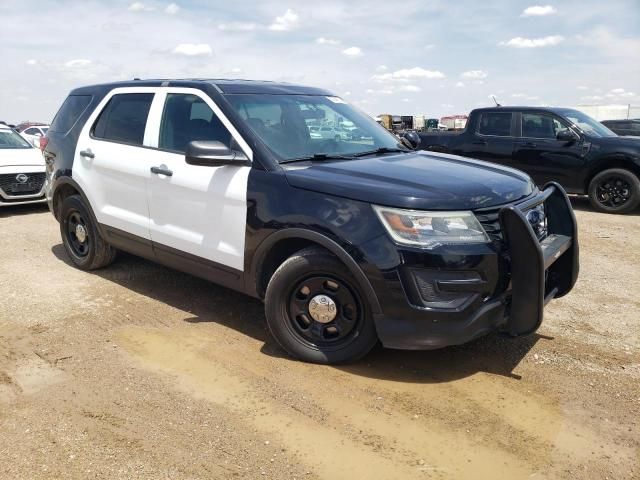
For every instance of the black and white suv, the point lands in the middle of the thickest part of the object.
(349, 241)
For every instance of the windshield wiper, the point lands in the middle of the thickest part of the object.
(380, 150)
(319, 156)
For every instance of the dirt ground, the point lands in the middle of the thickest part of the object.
(137, 371)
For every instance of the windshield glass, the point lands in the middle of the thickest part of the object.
(301, 126)
(587, 124)
(10, 139)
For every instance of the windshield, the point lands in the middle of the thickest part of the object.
(303, 126)
(10, 139)
(587, 124)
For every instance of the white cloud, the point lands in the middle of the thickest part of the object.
(430, 46)
(286, 22)
(410, 88)
(31, 61)
(327, 41)
(475, 74)
(406, 74)
(592, 97)
(140, 7)
(172, 9)
(406, 100)
(352, 52)
(582, 87)
(618, 91)
(78, 62)
(382, 68)
(237, 26)
(521, 42)
(539, 11)
(460, 84)
(192, 49)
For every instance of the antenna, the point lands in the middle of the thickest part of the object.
(495, 101)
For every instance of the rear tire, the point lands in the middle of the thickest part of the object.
(615, 191)
(345, 334)
(80, 237)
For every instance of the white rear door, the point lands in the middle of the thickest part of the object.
(198, 210)
(111, 164)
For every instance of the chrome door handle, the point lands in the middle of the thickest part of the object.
(87, 153)
(161, 171)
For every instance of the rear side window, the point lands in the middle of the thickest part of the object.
(69, 112)
(124, 118)
(497, 124)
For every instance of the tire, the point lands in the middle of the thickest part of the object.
(85, 247)
(307, 275)
(615, 191)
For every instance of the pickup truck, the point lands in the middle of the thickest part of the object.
(552, 144)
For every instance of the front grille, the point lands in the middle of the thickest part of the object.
(490, 221)
(12, 186)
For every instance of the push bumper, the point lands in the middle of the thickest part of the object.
(537, 272)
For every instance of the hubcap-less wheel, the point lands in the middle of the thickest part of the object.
(78, 234)
(323, 311)
(613, 192)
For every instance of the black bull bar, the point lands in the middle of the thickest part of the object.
(540, 270)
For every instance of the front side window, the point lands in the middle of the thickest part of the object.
(301, 126)
(497, 124)
(187, 118)
(124, 118)
(585, 123)
(535, 125)
(10, 139)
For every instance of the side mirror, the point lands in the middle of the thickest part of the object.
(411, 140)
(567, 135)
(213, 154)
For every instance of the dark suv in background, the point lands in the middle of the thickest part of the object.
(623, 128)
(552, 144)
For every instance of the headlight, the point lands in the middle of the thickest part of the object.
(430, 229)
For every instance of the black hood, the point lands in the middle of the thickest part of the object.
(416, 180)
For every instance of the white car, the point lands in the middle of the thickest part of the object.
(22, 170)
(333, 133)
(34, 133)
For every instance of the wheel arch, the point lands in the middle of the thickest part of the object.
(279, 246)
(615, 161)
(65, 187)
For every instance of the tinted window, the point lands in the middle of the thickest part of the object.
(535, 125)
(187, 118)
(31, 131)
(124, 118)
(69, 112)
(496, 124)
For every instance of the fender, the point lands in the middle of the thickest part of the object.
(65, 179)
(612, 160)
(322, 240)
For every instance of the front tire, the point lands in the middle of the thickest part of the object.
(316, 310)
(615, 191)
(80, 237)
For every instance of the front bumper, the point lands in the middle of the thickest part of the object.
(507, 283)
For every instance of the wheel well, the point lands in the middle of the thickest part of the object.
(62, 192)
(276, 256)
(613, 163)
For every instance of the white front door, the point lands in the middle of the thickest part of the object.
(198, 210)
(111, 165)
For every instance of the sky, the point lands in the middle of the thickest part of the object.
(403, 57)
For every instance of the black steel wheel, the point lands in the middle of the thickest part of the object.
(77, 234)
(316, 311)
(80, 236)
(615, 191)
(323, 310)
